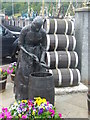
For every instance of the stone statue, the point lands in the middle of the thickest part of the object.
(32, 42)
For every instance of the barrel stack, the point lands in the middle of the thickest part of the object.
(61, 56)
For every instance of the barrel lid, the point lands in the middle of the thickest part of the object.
(83, 9)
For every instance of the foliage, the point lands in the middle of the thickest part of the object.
(22, 7)
(32, 109)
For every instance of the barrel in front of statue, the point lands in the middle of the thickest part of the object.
(41, 84)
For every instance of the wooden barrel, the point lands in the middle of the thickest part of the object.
(88, 102)
(3, 81)
(60, 42)
(41, 85)
(59, 26)
(66, 77)
(61, 59)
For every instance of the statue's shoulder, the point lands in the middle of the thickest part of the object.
(26, 28)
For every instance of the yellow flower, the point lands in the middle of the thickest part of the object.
(44, 100)
(0, 69)
(37, 98)
(33, 113)
(19, 115)
(24, 101)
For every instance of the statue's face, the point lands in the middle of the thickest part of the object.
(37, 26)
(37, 23)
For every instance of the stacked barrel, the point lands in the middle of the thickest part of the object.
(60, 55)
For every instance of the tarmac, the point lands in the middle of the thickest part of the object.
(69, 104)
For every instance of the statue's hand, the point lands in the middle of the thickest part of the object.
(35, 58)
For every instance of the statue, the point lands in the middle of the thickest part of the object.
(32, 42)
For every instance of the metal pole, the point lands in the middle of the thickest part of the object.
(28, 8)
(12, 8)
(43, 8)
(56, 7)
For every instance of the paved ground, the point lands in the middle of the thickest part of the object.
(72, 105)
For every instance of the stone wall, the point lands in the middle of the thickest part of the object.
(82, 32)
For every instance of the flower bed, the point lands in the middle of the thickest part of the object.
(31, 109)
(3, 79)
(12, 68)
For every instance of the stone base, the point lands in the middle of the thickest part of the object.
(67, 90)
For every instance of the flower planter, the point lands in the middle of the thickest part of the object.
(37, 109)
(3, 81)
(12, 77)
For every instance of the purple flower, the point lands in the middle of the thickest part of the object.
(4, 109)
(40, 111)
(1, 115)
(23, 104)
(9, 71)
(52, 111)
(3, 70)
(8, 115)
(60, 115)
(29, 112)
(24, 116)
(47, 108)
(19, 110)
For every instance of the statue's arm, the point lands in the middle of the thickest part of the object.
(34, 57)
(22, 36)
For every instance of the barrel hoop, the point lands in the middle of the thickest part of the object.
(88, 99)
(50, 71)
(56, 56)
(60, 77)
(55, 25)
(72, 27)
(67, 38)
(79, 76)
(76, 56)
(74, 42)
(48, 42)
(71, 75)
(66, 26)
(69, 58)
(48, 58)
(56, 42)
(42, 27)
(2, 81)
(48, 25)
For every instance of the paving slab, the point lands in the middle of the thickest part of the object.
(70, 110)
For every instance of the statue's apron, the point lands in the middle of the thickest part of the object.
(26, 66)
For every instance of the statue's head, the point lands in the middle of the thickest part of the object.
(37, 23)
